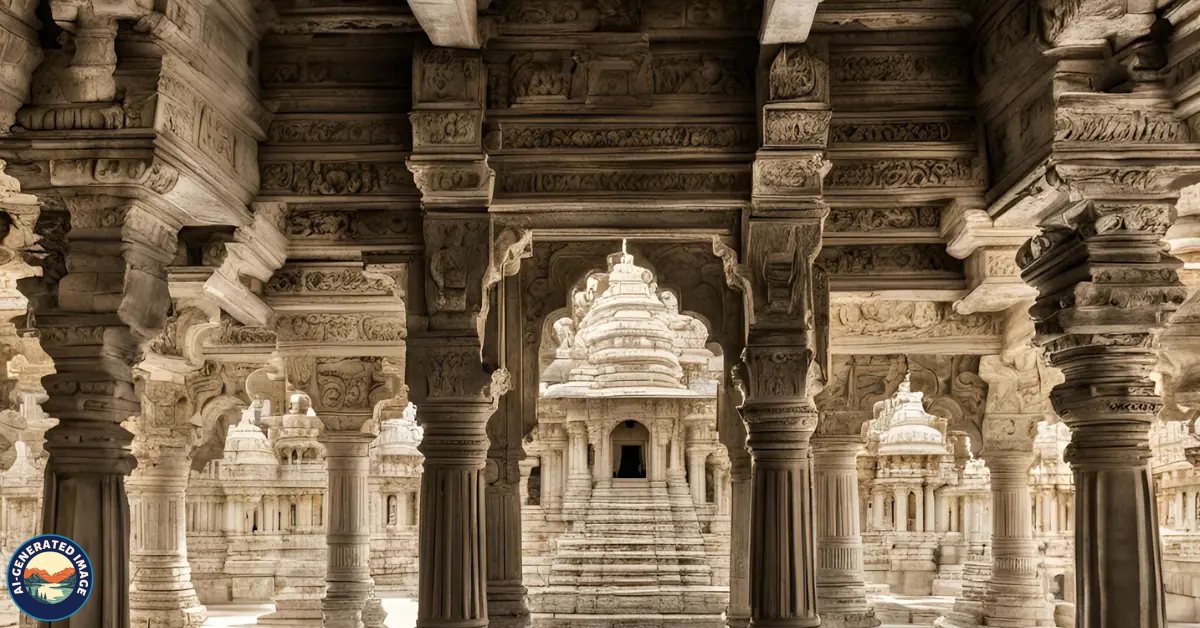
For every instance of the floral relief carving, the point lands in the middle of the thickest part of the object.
(292, 130)
(700, 73)
(905, 173)
(868, 219)
(898, 67)
(514, 137)
(861, 259)
(796, 127)
(852, 132)
(346, 280)
(341, 328)
(797, 73)
(909, 319)
(510, 182)
(439, 127)
(335, 178)
(352, 225)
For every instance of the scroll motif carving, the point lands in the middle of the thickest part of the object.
(853, 132)
(723, 181)
(345, 280)
(898, 67)
(867, 219)
(1118, 126)
(513, 137)
(340, 328)
(909, 319)
(441, 127)
(352, 225)
(856, 260)
(798, 73)
(796, 127)
(292, 130)
(903, 173)
(330, 178)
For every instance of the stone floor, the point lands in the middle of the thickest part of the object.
(402, 612)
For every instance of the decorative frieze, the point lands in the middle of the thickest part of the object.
(862, 130)
(334, 129)
(900, 65)
(875, 219)
(795, 128)
(353, 225)
(523, 136)
(694, 180)
(332, 280)
(863, 259)
(887, 174)
(335, 178)
(909, 319)
(340, 328)
(701, 73)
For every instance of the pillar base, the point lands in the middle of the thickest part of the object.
(737, 621)
(189, 617)
(507, 606)
(849, 619)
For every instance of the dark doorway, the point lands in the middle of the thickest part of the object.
(632, 465)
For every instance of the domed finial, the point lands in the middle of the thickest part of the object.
(906, 385)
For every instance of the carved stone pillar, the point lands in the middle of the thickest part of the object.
(579, 481)
(738, 614)
(345, 353)
(696, 458)
(841, 581)
(1015, 597)
(1105, 289)
(161, 593)
(787, 315)
(456, 400)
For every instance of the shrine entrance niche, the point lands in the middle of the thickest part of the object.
(630, 441)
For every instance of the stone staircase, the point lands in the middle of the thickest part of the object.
(635, 560)
(630, 538)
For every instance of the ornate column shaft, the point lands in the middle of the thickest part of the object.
(1106, 288)
(1015, 597)
(841, 581)
(161, 593)
(738, 614)
(348, 583)
(788, 325)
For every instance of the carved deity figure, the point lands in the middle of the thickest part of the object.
(564, 331)
(450, 272)
(391, 510)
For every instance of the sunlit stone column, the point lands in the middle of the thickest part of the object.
(738, 615)
(841, 583)
(578, 481)
(900, 509)
(696, 478)
(161, 593)
(348, 534)
(1015, 597)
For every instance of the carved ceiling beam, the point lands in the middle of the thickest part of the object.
(449, 23)
(787, 21)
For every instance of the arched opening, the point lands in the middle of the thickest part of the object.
(534, 487)
(912, 512)
(411, 510)
(889, 513)
(630, 442)
(292, 515)
(392, 517)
